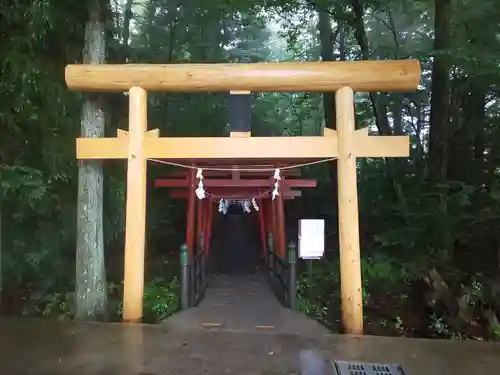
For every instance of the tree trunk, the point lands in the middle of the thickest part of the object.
(459, 145)
(1, 249)
(397, 114)
(492, 161)
(439, 95)
(327, 43)
(466, 159)
(91, 288)
(439, 120)
(126, 26)
(379, 111)
(172, 24)
(478, 111)
(342, 37)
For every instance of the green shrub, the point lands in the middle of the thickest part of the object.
(161, 299)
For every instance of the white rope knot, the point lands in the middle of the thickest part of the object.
(199, 174)
(277, 174)
(200, 191)
(277, 178)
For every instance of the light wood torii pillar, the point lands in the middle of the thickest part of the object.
(346, 144)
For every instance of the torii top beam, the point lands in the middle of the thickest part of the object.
(311, 76)
(236, 183)
(287, 194)
(182, 173)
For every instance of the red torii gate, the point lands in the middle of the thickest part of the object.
(247, 183)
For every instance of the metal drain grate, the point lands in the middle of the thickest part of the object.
(364, 368)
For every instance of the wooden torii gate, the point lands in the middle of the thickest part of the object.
(346, 144)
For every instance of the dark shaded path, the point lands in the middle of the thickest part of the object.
(45, 347)
(235, 248)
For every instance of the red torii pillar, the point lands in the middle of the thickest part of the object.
(190, 214)
(272, 225)
(199, 221)
(262, 226)
(208, 223)
(280, 223)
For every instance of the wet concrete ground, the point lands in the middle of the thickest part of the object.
(48, 347)
(244, 304)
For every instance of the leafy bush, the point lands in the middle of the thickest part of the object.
(161, 299)
(381, 270)
(57, 305)
(319, 290)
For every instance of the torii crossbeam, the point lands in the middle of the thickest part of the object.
(345, 144)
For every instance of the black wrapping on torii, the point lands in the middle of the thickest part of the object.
(240, 112)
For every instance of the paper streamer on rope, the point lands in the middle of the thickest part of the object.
(246, 207)
(277, 178)
(246, 204)
(223, 206)
(254, 204)
(200, 191)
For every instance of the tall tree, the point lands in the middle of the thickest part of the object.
(440, 93)
(327, 41)
(91, 288)
(358, 23)
(439, 116)
(126, 24)
(0, 248)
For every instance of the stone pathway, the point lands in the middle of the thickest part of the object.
(244, 304)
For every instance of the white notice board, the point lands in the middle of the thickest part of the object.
(311, 238)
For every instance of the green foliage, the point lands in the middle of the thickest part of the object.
(38, 117)
(440, 328)
(319, 292)
(495, 332)
(161, 299)
(388, 271)
(24, 182)
(53, 305)
(29, 198)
